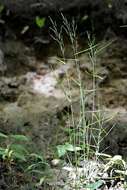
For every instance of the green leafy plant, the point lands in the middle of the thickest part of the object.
(63, 149)
(38, 164)
(38, 168)
(40, 22)
(16, 150)
(13, 147)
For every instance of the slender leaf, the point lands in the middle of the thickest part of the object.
(71, 148)
(95, 185)
(3, 135)
(19, 137)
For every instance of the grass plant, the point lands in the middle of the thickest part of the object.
(85, 132)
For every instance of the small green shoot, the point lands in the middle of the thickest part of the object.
(40, 22)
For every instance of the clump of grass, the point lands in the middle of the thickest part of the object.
(85, 133)
(82, 125)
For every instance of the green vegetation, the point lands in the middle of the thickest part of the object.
(16, 154)
(79, 152)
(10, 150)
(85, 133)
(40, 22)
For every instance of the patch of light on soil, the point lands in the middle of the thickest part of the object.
(44, 84)
(48, 84)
